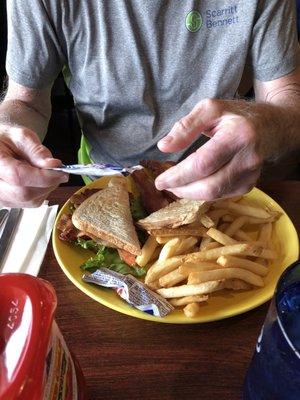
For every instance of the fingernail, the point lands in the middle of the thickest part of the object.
(45, 161)
(65, 178)
(166, 140)
(160, 184)
(48, 159)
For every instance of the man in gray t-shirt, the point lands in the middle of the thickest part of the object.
(135, 67)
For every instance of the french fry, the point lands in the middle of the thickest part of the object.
(160, 268)
(193, 249)
(206, 221)
(258, 221)
(165, 239)
(147, 251)
(222, 227)
(169, 249)
(204, 242)
(155, 254)
(236, 262)
(236, 225)
(268, 254)
(262, 261)
(228, 218)
(243, 236)
(154, 285)
(220, 237)
(243, 209)
(275, 214)
(187, 268)
(172, 278)
(183, 301)
(265, 233)
(211, 245)
(185, 245)
(217, 214)
(246, 249)
(225, 273)
(191, 290)
(181, 231)
(191, 310)
(236, 284)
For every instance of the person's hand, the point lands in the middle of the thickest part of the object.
(230, 162)
(24, 180)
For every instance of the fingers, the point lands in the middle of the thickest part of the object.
(228, 161)
(201, 119)
(228, 164)
(23, 160)
(205, 161)
(229, 181)
(25, 144)
(24, 179)
(19, 173)
(39, 156)
(15, 196)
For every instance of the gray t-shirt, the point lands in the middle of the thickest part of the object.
(137, 66)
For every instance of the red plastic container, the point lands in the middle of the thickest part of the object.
(35, 363)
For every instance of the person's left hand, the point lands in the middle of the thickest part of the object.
(230, 162)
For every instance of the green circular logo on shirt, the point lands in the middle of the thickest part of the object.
(193, 21)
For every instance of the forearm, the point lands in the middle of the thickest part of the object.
(278, 127)
(276, 122)
(25, 107)
(17, 112)
(279, 116)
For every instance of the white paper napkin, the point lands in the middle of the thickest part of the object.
(31, 237)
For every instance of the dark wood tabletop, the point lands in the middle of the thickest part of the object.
(127, 358)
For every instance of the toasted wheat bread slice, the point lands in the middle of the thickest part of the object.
(178, 213)
(106, 215)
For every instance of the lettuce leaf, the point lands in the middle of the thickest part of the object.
(108, 258)
(136, 208)
(89, 244)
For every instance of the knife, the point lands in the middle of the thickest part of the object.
(96, 169)
(8, 231)
(3, 215)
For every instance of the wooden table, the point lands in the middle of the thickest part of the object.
(128, 358)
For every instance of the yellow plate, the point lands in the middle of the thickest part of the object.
(221, 305)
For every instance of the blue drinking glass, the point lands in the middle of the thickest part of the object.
(274, 372)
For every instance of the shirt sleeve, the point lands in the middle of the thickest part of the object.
(34, 56)
(275, 50)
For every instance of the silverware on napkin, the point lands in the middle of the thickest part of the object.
(8, 232)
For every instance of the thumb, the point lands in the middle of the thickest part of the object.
(30, 148)
(200, 120)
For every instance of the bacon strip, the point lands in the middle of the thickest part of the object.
(78, 198)
(68, 232)
(156, 168)
(152, 199)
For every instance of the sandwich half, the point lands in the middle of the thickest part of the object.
(105, 216)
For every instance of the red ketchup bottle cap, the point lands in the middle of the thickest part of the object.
(26, 315)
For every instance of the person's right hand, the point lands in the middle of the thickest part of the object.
(24, 178)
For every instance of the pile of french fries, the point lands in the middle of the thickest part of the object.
(228, 247)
